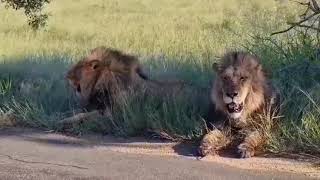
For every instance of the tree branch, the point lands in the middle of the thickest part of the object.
(311, 5)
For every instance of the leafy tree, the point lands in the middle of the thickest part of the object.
(32, 9)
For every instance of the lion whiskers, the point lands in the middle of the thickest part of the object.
(227, 99)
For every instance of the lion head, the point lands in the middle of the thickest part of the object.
(102, 74)
(82, 78)
(240, 86)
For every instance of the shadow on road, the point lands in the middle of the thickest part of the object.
(187, 149)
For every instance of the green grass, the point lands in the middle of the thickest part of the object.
(175, 39)
(174, 28)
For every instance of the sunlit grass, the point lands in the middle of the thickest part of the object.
(186, 28)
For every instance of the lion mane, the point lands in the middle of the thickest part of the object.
(241, 94)
(103, 75)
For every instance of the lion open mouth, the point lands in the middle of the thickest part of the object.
(234, 107)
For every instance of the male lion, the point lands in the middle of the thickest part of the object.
(101, 76)
(241, 94)
(106, 75)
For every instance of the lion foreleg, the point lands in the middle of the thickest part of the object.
(213, 141)
(79, 118)
(252, 141)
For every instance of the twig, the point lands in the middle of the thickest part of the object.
(318, 32)
(293, 25)
(302, 3)
(315, 7)
(160, 134)
(309, 27)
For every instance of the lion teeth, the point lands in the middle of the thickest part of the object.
(234, 107)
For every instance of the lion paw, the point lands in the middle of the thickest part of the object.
(245, 151)
(204, 151)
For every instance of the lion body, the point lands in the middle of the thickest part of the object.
(240, 96)
(106, 75)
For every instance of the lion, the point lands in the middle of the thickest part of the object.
(106, 75)
(240, 95)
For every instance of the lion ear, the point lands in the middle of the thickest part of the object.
(68, 76)
(215, 67)
(259, 68)
(94, 64)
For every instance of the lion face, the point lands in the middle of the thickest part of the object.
(82, 78)
(239, 85)
(236, 83)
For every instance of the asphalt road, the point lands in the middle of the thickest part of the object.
(34, 155)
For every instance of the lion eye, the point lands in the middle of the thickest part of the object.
(78, 88)
(242, 78)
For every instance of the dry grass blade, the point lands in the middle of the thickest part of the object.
(160, 134)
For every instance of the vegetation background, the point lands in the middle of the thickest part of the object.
(173, 39)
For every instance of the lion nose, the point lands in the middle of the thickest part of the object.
(233, 94)
(78, 89)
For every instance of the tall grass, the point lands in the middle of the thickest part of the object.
(173, 39)
(295, 64)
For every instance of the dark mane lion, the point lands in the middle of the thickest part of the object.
(102, 75)
(106, 75)
(240, 94)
